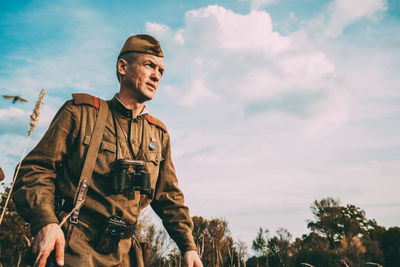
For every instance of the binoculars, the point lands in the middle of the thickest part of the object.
(131, 175)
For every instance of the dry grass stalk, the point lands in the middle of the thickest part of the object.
(64, 220)
(28, 242)
(33, 123)
(36, 112)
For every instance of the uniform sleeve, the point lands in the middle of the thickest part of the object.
(34, 186)
(169, 205)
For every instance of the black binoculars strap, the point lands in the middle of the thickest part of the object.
(116, 120)
(90, 160)
(141, 152)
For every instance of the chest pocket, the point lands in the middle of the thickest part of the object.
(106, 156)
(153, 157)
(107, 146)
(104, 145)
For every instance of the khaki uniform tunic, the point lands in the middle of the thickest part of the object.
(54, 167)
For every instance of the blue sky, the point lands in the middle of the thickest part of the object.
(270, 103)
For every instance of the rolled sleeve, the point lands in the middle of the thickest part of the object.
(42, 216)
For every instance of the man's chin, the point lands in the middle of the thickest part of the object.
(146, 97)
(151, 94)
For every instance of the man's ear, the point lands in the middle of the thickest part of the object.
(121, 66)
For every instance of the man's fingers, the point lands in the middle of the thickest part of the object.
(60, 252)
(192, 259)
(37, 260)
(49, 238)
(41, 259)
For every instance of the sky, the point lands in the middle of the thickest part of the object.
(271, 104)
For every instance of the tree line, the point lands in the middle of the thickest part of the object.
(340, 235)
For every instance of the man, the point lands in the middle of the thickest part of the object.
(131, 136)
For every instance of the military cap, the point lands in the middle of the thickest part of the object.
(142, 43)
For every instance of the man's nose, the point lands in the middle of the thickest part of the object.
(156, 76)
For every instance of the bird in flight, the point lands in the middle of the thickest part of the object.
(15, 98)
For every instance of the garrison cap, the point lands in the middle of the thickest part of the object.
(142, 43)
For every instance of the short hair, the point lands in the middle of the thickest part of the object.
(129, 56)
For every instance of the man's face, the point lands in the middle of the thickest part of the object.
(142, 76)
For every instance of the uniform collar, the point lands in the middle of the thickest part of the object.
(122, 110)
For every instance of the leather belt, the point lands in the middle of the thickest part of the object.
(127, 230)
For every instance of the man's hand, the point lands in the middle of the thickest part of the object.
(48, 238)
(192, 259)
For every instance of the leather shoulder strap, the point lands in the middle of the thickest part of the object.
(90, 160)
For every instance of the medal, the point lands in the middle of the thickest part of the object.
(152, 145)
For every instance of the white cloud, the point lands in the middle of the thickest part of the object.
(239, 33)
(359, 8)
(157, 29)
(234, 33)
(11, 113)
(179, 37)
(240, 57)
(197, 93)
(329, 115)
(342, 13)
(13, 120)
(274, 160)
